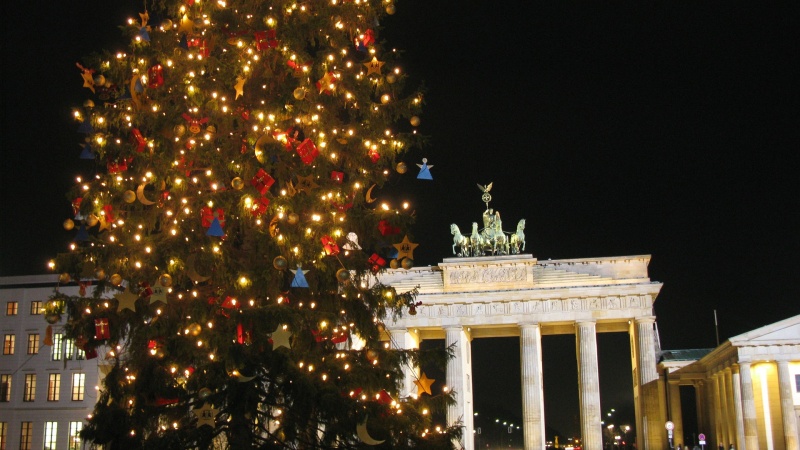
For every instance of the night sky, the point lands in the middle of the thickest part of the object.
(613, 128)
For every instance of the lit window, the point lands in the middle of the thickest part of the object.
(29, 394)
(69, 348)
(78, 379)
(25, 435)
(3, 435)
(54, 387)
(74, 435)
(50, 433)
(8, 344)
(5, 387)
(11, 308)
(58, 347)
(33, 343)
(37, 308)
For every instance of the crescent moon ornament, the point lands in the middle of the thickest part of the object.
(140, 195)
(191, 272)
(369, 196)
(361, 431)
(241, 378)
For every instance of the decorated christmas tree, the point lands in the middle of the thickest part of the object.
(227, 238)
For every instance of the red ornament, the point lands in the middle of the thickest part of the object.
(384, 398)
(207, 215)
(376, 262)
(374, 156)
(365, 40)
(147, 291)
(260, 206)
(155, 76)
(307, 151)
(101, 329)
(90, 353)
(329, 245)
(76, 208)
(327, 83)
(108, 212)
(265, 39)
(262, 181)
(242, 334)
(82, 285)
(337, 176)
(138, 140)
(387, 229)
(118, 165)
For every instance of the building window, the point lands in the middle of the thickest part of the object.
(33, 343)
(78, 380)
(8, 344)
(12, 308)
(3, 435)
(36, 308)
(74, 435)
(58, 347)
(797, 383)
(54, 387)
(29, 394)
(5, 387)
(25, 435)
(50, 434)
(69, 348)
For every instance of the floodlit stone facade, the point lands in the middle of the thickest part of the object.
(46, 391)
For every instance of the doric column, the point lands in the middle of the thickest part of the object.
(530, 344)
(653, 432)
(406, 340)
(719, 427)
(748, 408)
(730, 417)
(589, 385)
(737, 406)
(700, 404)
(459, 379)
(675, 411)
(787, 406)
(724, 437)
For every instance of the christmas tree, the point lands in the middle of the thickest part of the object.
(227, 226)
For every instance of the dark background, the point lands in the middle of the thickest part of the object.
(613, 128)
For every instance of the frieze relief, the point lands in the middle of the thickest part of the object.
(531, 306)
(488, 275)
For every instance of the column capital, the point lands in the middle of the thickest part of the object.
(528, 325)
(585, 322)
(645, 319)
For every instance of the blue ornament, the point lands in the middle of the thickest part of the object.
(425, 170)
(299, 280)
(215, 229)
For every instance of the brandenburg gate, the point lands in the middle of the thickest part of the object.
(468, 297)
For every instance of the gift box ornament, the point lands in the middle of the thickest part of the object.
(101, 329)
(329, 245)
(307, 151)
(262, 181)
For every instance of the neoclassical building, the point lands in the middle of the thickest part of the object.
(469, 298)
(747, 390)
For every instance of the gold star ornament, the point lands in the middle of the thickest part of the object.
(205, 415)
(280, 338)
(405, 249)
(239, 86)
(305, 184)
(424, 384)
(126, 300)
(374, 66)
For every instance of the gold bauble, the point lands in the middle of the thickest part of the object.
(99, 80)
(292, 218)
(391, 78)
(390, 9)
(129, 196)
(414, 120)
(393, 264)
(280, 263)
(407, 263)
(204, 393)
(64, 278)
(299, 93)
(69, 224)
(371, 354)
(116, 279)
(194, 329)
(165, 280)
(100, 274)
(343, 275)
(237, 183)
(386, 98)
(88, 104)
(91, 220)
(401, 167)
(166, 25)
(211, 130)
(179, 130)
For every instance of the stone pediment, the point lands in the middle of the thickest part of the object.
(786, 331)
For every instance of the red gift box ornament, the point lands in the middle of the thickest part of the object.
(387, 229)
(138, 140)
(377, 262)
(155, 76)
(118, 165)
(329, 245)
(374, 156)
(260, 206)
(363, 41)
(337, 176)
(101, 329)
(307, 151)
(242, 334)
(265, 39)
(262, 181)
